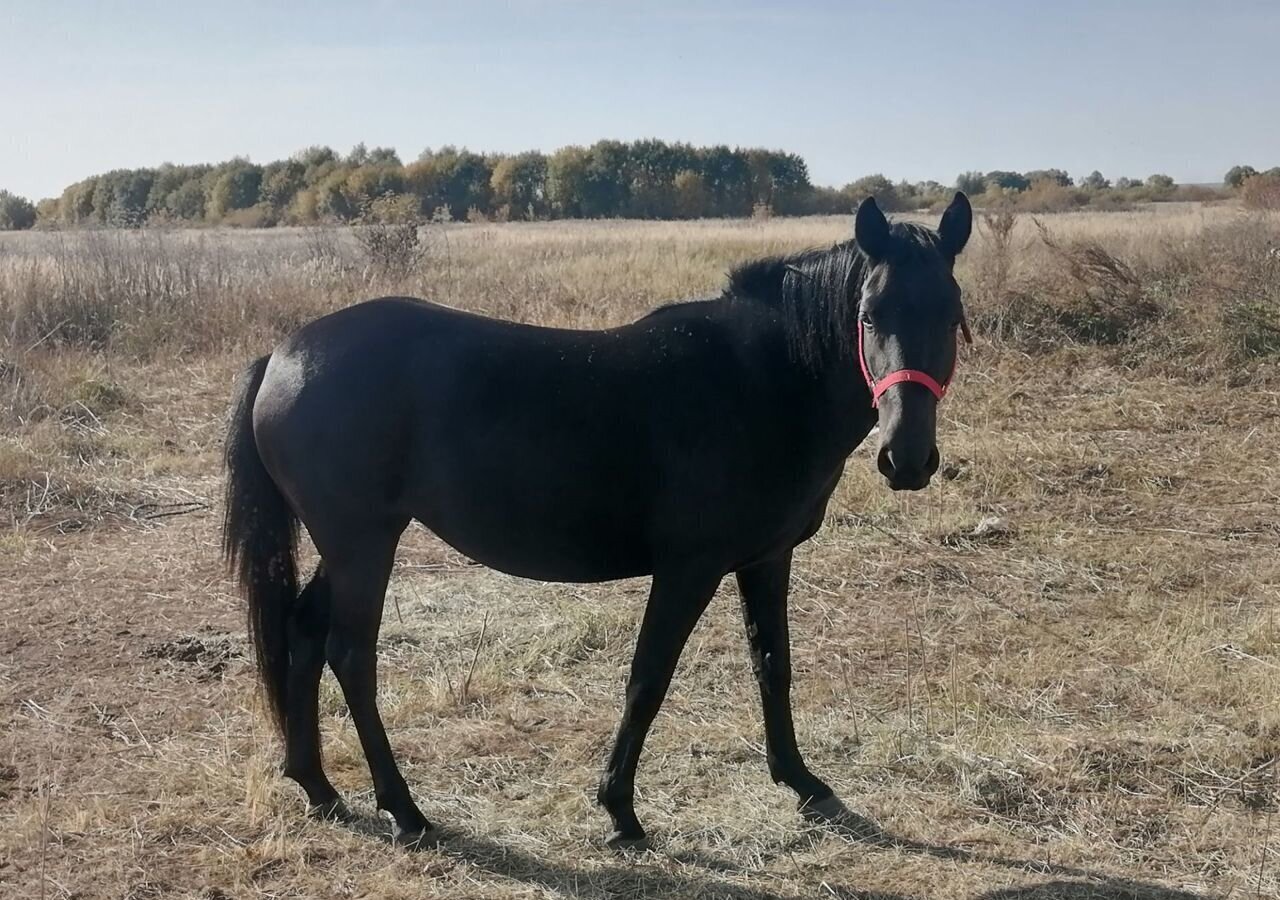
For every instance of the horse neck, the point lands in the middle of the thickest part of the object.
(824, 397)
(844, 399)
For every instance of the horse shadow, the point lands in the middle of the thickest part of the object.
(630, 877)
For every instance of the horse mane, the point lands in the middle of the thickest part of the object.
(817, 291)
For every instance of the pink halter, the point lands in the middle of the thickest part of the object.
(902, 376)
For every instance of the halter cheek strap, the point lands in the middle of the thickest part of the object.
(904, 376)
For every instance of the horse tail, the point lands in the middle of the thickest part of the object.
(259, 535)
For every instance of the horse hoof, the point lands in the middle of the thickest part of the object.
(333, 811)
(831, 812)
(420, 839)
(828, 809)
(624, 843)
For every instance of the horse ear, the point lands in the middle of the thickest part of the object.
(871, 229)
(956, 226)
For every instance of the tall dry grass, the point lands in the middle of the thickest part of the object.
(1196, 279)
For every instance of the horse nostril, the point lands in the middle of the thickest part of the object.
(884, 462)
(902, 463)
(906, 469)
(895, 461)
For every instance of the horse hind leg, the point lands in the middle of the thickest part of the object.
(359, 581)
(308, 630)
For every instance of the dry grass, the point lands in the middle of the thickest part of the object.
(1079, 703)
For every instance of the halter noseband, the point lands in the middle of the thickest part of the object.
(903, 376)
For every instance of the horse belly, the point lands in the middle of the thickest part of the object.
(545, 548)
(536, 517)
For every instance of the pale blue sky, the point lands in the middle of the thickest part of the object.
(915, 90)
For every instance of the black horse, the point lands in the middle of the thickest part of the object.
(703, 439)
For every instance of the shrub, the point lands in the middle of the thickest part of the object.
(1198, 193)
(1110, 201)
(1050, 196)
(47, 213)
(1243, 269)
(1106, 303)
(390, 234)
(1261, 192)
(1253, 326)
(261, 215)
(994, 273)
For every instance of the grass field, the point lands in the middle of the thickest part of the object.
(1053, 674)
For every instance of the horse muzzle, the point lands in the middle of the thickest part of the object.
(905, 471)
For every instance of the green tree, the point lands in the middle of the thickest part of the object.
(424, 179)
(779, 180)
(384, 156)
(120, 197)
(76, 203)
(317, 162)
(331, 198)
(16, 213)
(1160, 182)
(727, 174)
(1010, 181)
(520, 184)
(168, 179)
(237, 186)
(1057, 176)
(367, 183)
(1095, 181)
(972, 183)
(568, 173)
(877, 186)
(690, 195)
(464, 180)
(1238, 175)
(188, 201)
(650, 176)
(607, 190)
(281, 181)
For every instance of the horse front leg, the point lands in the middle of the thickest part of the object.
(677, 600)
(764, 611)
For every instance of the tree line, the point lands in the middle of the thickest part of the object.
(648, 179)
(642, 179)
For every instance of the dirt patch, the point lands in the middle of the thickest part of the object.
(209, 654)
